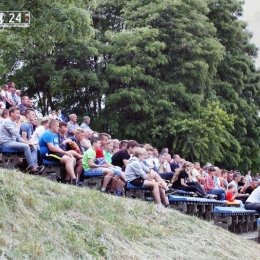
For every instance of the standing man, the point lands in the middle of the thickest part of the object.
(11, 139)
(86, 122)
(72, 125)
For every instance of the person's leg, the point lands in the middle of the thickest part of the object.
(199, 191)
(167, 176)
(252, 206)
(108, 176)
(34, 156)
(154, 185)
(69, 167)
(78, 168)
(155, 176)
(243, 199)
(219, 192)
(23, 148)
(164, 198)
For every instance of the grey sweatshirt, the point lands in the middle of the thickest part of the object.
(8, 132)
(135, 169)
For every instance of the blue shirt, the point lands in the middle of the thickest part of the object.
(47, 137)
(85, 126)
(28, 128)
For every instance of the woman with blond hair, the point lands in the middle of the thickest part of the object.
(182, 180)
(138, 174)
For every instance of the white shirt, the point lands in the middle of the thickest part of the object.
(37, 134)
(255, 196)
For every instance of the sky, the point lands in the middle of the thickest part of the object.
(252, 16)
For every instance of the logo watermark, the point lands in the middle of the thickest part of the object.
(14, 19)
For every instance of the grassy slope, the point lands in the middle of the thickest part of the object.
(40, 219)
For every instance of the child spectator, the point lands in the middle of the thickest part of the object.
(231, 194)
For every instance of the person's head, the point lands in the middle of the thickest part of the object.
(6, 87)
(123, 144)
(168, 158)
(140, 153)
(30, 103)
(116, 143)
(18, 92)
(162, 157)
(73, 118)
(88, 133)
(212, 171)
(13, 90)
(155, 152)
(86, 120)
(257, 174)
(53, 113)
(165, 150)
(63, 127)
(131, 146)
(45, 122)
(230, 176)
(5, 113)
(14, 113)
(176, 158)
(236, 177)
(197, 165)
(109, 146)
(10, 85)
(79, 134)
(34, 121)
(30, 114)
(232, 188)
(95, 142)
(224, 174)
(103, 138)
(24, 100)
(149, 150)
(58, 111)
(255, 183)
(186, 166)
(218, 172)
(54, 126)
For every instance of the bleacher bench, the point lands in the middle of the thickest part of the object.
(10, 157)
(201, 207)
(236, 220)
(138, 192)
(52, 170)
(93, 180)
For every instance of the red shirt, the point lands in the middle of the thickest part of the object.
(209, 183)
(229, 196)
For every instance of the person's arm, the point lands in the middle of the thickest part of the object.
(55, 149)
(137, 168)
(13, 131)
(85, 143)
(183, 182)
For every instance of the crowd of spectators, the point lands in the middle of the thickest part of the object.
(79, 148)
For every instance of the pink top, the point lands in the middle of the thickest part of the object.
(209, 183)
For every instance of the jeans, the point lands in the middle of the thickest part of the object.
(254, 206)
(220, 192)
(30, 154)
(167, 176)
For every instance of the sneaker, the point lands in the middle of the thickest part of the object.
(102, 191)
(39, 169)
(170, 192)
(77, 182)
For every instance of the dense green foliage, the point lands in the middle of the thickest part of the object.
(171, 73)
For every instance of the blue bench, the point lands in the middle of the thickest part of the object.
(139, 192)
(52, 170)
(201, 207)
(10, 157)
(93, 179)
(236, 220)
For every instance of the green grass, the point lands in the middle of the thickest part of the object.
(40, 219)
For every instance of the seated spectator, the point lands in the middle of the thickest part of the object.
(197, 173)
(236, 180)
(18, 96)
(61, 116)
(40, 130)
(254, 184)
(149, 161)
(257, 176)
(182, 180)
(117, 185)
(11, 139)
(85, 123)
(53, 115)
(30, 103)
(168, 158)
(230, 176)
(26, 128)
(155, 153)
(164, 169)
(176, 162)
(50, 152)
(248, 177)
(103, 139)
(209, 185)
(14, 97)
(217, 179)
(253, 201)
(5, 114)
(165, 150)
(223, 178)
(24, 104)
(72, 125)
(90, 166)
(138, 174)
(121, 157)
(231, 194)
